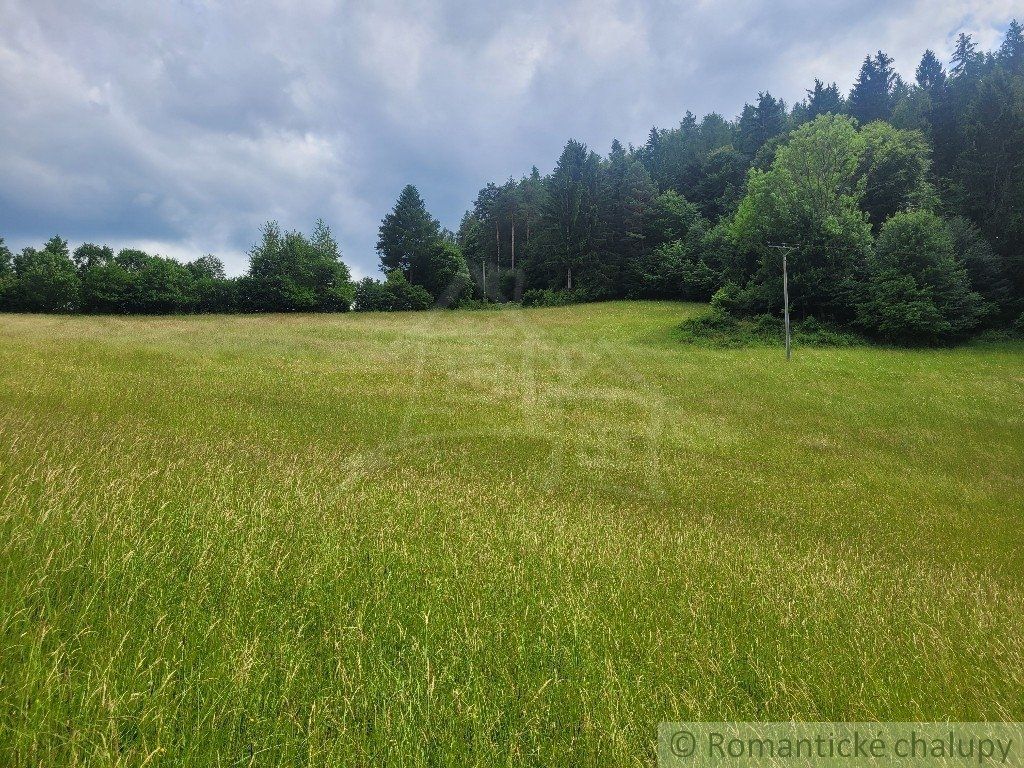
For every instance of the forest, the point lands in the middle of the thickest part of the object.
(900, 206)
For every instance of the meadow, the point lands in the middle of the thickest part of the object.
(511, 537)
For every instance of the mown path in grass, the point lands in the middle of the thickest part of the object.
(516, 537)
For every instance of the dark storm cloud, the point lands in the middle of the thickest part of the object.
(181, 126)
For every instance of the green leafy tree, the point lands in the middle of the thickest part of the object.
(164, 287)
(109, 288)
(213, 290)
(810, 198)
(671, 218)
(896, 166)
(443, 273)
(208, 267)
(134, 281)
(289, 272)
(90, 255)
(675, 270)
(45, 280)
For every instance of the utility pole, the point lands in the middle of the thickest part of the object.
(786, 248)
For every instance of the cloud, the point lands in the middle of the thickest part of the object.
(184, 125)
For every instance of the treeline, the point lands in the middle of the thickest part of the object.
(900, 206)
(288, 272)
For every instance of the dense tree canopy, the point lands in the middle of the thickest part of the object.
(822, 179)
(808, 202)
(287, 272)
(900, 208)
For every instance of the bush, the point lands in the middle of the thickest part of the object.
(673, 271)
(545, 297)
(916, 291)
(718, 328)
(395, 294)
(751, 300)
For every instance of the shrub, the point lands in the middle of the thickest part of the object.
(721, 329)
(545, 297)
(394, 294)
(916, 290)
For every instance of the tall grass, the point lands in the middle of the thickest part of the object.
(491, 538)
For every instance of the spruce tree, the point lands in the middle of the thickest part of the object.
(1011, 52)
(407, 233)
(930, 74)
(823, 99)
(872, 94)
(965, 55)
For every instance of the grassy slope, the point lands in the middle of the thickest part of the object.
(511, 537)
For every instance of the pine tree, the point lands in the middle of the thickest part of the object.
(570, 220)
(635, 199)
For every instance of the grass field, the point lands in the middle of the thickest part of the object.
(517, 537)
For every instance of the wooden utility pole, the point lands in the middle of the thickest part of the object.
(785, 248)
(785, 300)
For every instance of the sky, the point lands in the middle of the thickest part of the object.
(180, 126)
